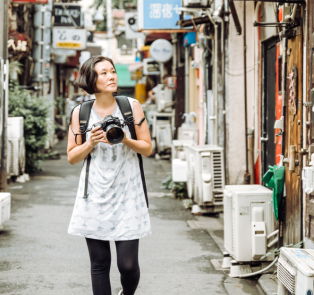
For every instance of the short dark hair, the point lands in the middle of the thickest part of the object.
(87, 76)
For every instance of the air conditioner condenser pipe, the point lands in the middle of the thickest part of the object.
(258, 272)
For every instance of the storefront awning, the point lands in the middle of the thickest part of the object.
(124, 76)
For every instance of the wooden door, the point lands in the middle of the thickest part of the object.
(309, 200)
(272, 105)
(269, 106)
(292, 226)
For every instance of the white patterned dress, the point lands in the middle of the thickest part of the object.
(115, 209)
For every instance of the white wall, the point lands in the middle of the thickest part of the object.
(235, 92)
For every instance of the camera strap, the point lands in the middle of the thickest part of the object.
(84, 115)
(127, 113)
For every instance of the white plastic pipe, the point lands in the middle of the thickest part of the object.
(258, 272)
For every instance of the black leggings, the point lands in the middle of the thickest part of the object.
(100, 257)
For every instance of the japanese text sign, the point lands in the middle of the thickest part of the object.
(68, 38)
(31, 1)
(67, 15)
(159, 14)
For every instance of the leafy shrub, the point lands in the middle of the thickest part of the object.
(178, 188)
(60, 105)
(34, 110)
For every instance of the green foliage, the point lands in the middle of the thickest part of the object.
(167, 183)
(15, 66)
(178, 188)
(34, 110)
(60, 105)
(276, 251)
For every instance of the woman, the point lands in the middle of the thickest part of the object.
(115, 209)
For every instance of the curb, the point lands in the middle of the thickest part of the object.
(268, 284)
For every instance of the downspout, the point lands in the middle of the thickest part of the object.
(201, 103)
(256, 64)
(221, 20)
(216, 84)
(246, 173)
(186, 73)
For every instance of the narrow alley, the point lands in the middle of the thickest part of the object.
(39, 257)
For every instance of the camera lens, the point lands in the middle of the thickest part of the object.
(114, 134)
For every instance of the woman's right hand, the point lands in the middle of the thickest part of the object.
(97, 135)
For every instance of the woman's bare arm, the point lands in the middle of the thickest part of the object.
(143, 144)
(78, 152)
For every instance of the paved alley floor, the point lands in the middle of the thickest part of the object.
(39, 257)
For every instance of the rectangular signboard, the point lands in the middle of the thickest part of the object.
(67, 15)
(159, 14)
(69, 38)
(30, 1)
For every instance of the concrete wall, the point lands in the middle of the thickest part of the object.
(235, 92)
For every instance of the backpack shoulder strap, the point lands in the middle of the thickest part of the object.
(127, 113)
(84, 115)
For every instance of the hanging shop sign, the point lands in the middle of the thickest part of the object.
(161, 50)
(69, 38)
(30, 1)
(19, 45)
(68, 15)
(158, 14)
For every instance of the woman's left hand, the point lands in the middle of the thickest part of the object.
(124, 138)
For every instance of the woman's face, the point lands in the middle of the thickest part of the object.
(107, 80)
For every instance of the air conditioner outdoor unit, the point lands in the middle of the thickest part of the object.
(5, 207)
(295, 271)
(15, 147)
(16, 156)
(179, 163)
(248, 221)
(188, 132)
(206, 179)
(163, 136)
(163, 97)
(196, 3)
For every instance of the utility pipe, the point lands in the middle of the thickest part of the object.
(251, 154)
(109, 25)
(222, 22)
(256, 80)
(174, 56)
(260, 271)
(215, 86)
(201, 104)
(246, 175)
(186, 74)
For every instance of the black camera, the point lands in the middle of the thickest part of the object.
(113, 128)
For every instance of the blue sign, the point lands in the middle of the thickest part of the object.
(160, 14)
(309, 292)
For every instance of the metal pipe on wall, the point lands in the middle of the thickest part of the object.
(109, 25)
(246, 174)
(256, 89)
(186, 74)
(215, 86)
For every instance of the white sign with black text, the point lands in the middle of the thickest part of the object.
(69, 38)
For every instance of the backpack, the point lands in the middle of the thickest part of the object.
(126, 111)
